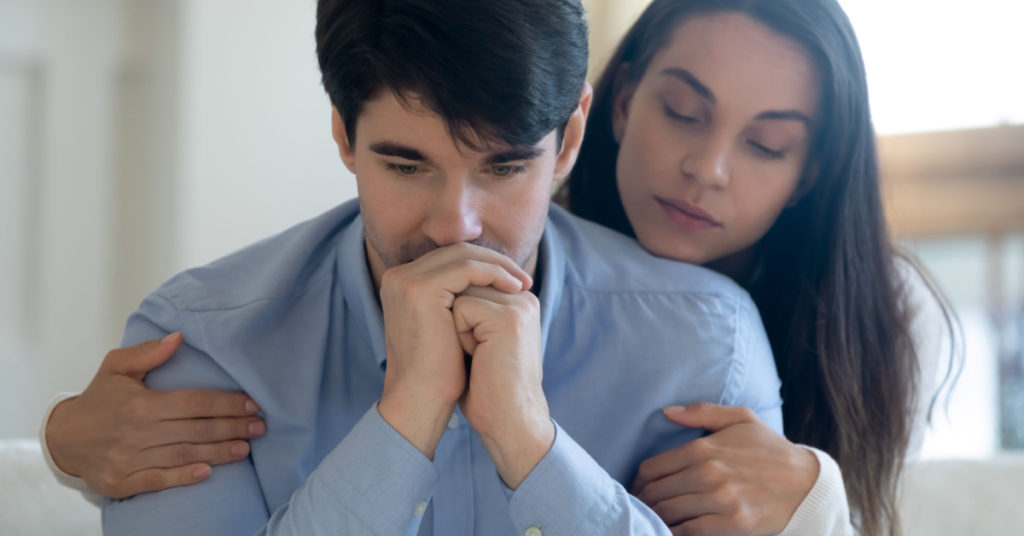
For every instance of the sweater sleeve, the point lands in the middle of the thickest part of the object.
(63, 478)
(826, 511)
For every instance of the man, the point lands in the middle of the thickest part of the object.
(512, 372)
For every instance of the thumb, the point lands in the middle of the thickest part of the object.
(711, 417)
(136, 361)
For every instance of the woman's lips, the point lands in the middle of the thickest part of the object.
(687, 216)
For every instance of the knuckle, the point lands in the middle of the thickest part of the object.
(201, 402)
(112, 355)
(109, 481)
(707, 473)
(747, 413)
(744, 520)
(153, 481)
(725, 495)
(199, 431)
(182, 454)
(703, 406)
(664, 510)
(646, 468)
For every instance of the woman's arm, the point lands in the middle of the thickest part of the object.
(119, 438)
(745, 481)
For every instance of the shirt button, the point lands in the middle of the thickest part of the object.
(420, 508)
(453, 423)
(534, 531)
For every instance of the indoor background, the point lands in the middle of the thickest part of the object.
(139, 138)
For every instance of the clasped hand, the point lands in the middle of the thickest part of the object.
(456, 301)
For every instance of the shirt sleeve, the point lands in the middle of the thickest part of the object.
(754, 381)
(63, 478)
(569, 494)
(371, 483)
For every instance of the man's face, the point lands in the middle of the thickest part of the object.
(420, 190)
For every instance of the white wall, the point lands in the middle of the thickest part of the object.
(257, 152)
(58, 59)
(170, 133)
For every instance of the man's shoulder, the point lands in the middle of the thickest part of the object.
(272, 268)
(599, 259)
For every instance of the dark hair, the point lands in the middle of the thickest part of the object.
(497, 71)
(829, 288)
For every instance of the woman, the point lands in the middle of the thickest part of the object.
(729, 133)
(740, 138)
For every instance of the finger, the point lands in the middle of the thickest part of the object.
(709, 525)
(193, 404)
(136, 361)
(690, 480)
(672, 461)
(490, 294)
(203, 431)
(465, 251)
(456, 278)
(469, 312)
(150, 480)
(684, 508)
(711, 417)
(186, 454)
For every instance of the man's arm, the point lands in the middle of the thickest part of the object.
(370, 483)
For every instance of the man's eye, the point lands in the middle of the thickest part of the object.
(406, 169)
(505, 170)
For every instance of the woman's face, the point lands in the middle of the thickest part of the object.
(714, 137)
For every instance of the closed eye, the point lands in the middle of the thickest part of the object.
(680, 117)
(774, 155)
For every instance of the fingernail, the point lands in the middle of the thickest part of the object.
(257, 428)
(201, 472)
(251, 406)
(170, 337)
(240, 449)
(674, 410)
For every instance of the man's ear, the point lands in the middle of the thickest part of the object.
(345, 149)
(623, 92)
(573, 138)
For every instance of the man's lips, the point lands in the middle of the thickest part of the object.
(686, 215)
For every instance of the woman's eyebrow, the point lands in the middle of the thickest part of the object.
(688, 78)
(786, 115)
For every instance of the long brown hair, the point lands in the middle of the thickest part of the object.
(829, 288)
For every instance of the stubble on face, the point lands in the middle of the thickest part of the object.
(410, 251)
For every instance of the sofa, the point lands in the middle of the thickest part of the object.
(940, 498)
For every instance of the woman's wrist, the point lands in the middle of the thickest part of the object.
(54, 432)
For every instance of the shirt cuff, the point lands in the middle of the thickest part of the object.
(63, 478)
(825, 511)
(377, 473)
(568, 493)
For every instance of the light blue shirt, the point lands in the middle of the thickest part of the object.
(293, 322)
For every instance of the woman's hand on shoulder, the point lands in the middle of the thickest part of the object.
(743, 479)
(123, 439)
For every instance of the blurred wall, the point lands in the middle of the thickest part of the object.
(139, 138)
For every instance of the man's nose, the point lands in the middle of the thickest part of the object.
(455, 216)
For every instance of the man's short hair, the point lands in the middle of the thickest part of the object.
(496, 71)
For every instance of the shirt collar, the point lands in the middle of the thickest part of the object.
(354, 277)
